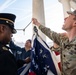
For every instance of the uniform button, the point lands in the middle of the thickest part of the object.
(64, 55)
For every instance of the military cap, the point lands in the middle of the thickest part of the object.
(72, 12)
(8, 19)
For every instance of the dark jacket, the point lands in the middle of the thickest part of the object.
(8, 65)
(19, 53)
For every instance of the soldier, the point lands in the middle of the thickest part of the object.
(68, 46)
(7, 60)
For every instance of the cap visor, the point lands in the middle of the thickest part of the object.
(14, 31)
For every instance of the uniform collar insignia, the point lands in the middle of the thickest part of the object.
(4, 48)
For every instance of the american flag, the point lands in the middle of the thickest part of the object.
(44, 61)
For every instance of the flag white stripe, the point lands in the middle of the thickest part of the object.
(26, 69)
(50, 73)
(57, 57)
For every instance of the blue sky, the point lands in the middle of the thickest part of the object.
(23, 11)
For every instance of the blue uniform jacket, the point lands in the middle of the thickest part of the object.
(19, 53)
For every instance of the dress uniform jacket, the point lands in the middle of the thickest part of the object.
(7, 62)
(68, 51)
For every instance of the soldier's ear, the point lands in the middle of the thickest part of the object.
(2, 28)
(74, 24)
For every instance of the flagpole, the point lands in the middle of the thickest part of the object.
(25, 27)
